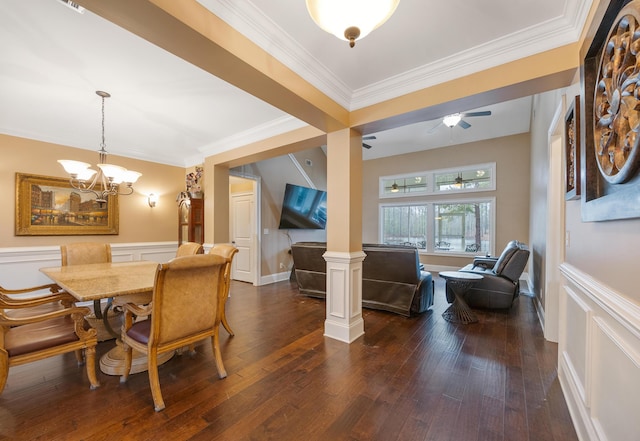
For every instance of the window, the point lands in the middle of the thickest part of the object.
(454, 227)
(404, 225)
(479, 177)
(476, 178)
(403, 186)
(463, 227)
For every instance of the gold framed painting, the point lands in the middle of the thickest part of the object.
(48, 206)
(572, 150)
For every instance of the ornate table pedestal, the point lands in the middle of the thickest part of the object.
(459, 282)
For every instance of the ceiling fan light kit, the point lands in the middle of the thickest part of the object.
(452, 120)
(350, 19)
(455, 119)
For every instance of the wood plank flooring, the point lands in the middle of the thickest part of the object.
(418, 378)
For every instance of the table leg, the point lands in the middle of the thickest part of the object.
(459, 311)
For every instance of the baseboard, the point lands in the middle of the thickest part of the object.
(273, 278)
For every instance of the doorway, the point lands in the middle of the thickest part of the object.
(243, 226)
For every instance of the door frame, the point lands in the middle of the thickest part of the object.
(256, 242)
(555, 246)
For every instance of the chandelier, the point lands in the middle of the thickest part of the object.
(350, 19)
(108, 180)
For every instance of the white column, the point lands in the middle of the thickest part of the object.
(344, 295)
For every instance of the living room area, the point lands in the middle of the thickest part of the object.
(579, 325)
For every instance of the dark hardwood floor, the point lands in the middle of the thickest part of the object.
(418, 378)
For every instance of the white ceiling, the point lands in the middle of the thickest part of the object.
(166, 110)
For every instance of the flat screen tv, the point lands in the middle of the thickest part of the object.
(303, 208)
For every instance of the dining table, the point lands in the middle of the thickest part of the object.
(130, 281)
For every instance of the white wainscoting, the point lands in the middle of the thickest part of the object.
(599, 358)
(20, 267)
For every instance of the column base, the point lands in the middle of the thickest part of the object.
(342, 332)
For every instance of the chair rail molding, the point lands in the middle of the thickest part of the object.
(599, 334)
(19, 266)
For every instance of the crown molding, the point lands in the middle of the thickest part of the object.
(255, 25)
(251, 22)
(255, 134)
(533, 40)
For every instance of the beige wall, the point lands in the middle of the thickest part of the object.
(511, 155)
(138, 221)
(607, 250)
(274, 174)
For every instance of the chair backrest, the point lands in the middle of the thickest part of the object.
(396, 264)
(512, 261)
(85, 252)
(189, 249)
(185, 297)
(227, 251)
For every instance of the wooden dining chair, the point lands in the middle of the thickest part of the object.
(183, 311)
(189, 249)
(25, 302)
(227, 251)
(82, 253)
(29, 337)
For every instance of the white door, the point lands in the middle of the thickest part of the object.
(242, 227)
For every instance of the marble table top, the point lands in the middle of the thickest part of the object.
(103, 280)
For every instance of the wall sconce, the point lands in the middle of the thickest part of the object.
(152, 200)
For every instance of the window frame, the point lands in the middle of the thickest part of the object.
(430, 224)
(430, 176)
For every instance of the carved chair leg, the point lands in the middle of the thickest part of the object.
(215, 344)
(128, 360)
(4, 368)
(225, 324)
(90, 355)
(154, 380)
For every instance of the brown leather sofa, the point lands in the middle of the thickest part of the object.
(500, 284)
(392, 278)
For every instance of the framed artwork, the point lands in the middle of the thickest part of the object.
(572, 150)
(47, 206)
(610, 115)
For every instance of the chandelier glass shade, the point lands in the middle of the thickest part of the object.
(350, 19)
(108, 180)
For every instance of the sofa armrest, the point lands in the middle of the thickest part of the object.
(485, 262)
(423, 297)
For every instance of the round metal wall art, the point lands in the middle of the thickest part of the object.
(616, 119)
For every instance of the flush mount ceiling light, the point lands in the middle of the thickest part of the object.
(108, 179)
(350, 19)
(452, 120)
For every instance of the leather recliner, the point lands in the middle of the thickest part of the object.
(500, 284)
(392, 277)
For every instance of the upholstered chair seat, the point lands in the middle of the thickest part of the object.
(34, 337)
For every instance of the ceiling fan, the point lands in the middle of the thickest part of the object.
(367, 138)
(455, 119)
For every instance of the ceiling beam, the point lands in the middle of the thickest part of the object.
(527, 76)
(190, 31)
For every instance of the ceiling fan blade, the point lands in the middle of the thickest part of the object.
(366, 138)
(481, 113)
(366, 146)
(433, 129)
(464, 124)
